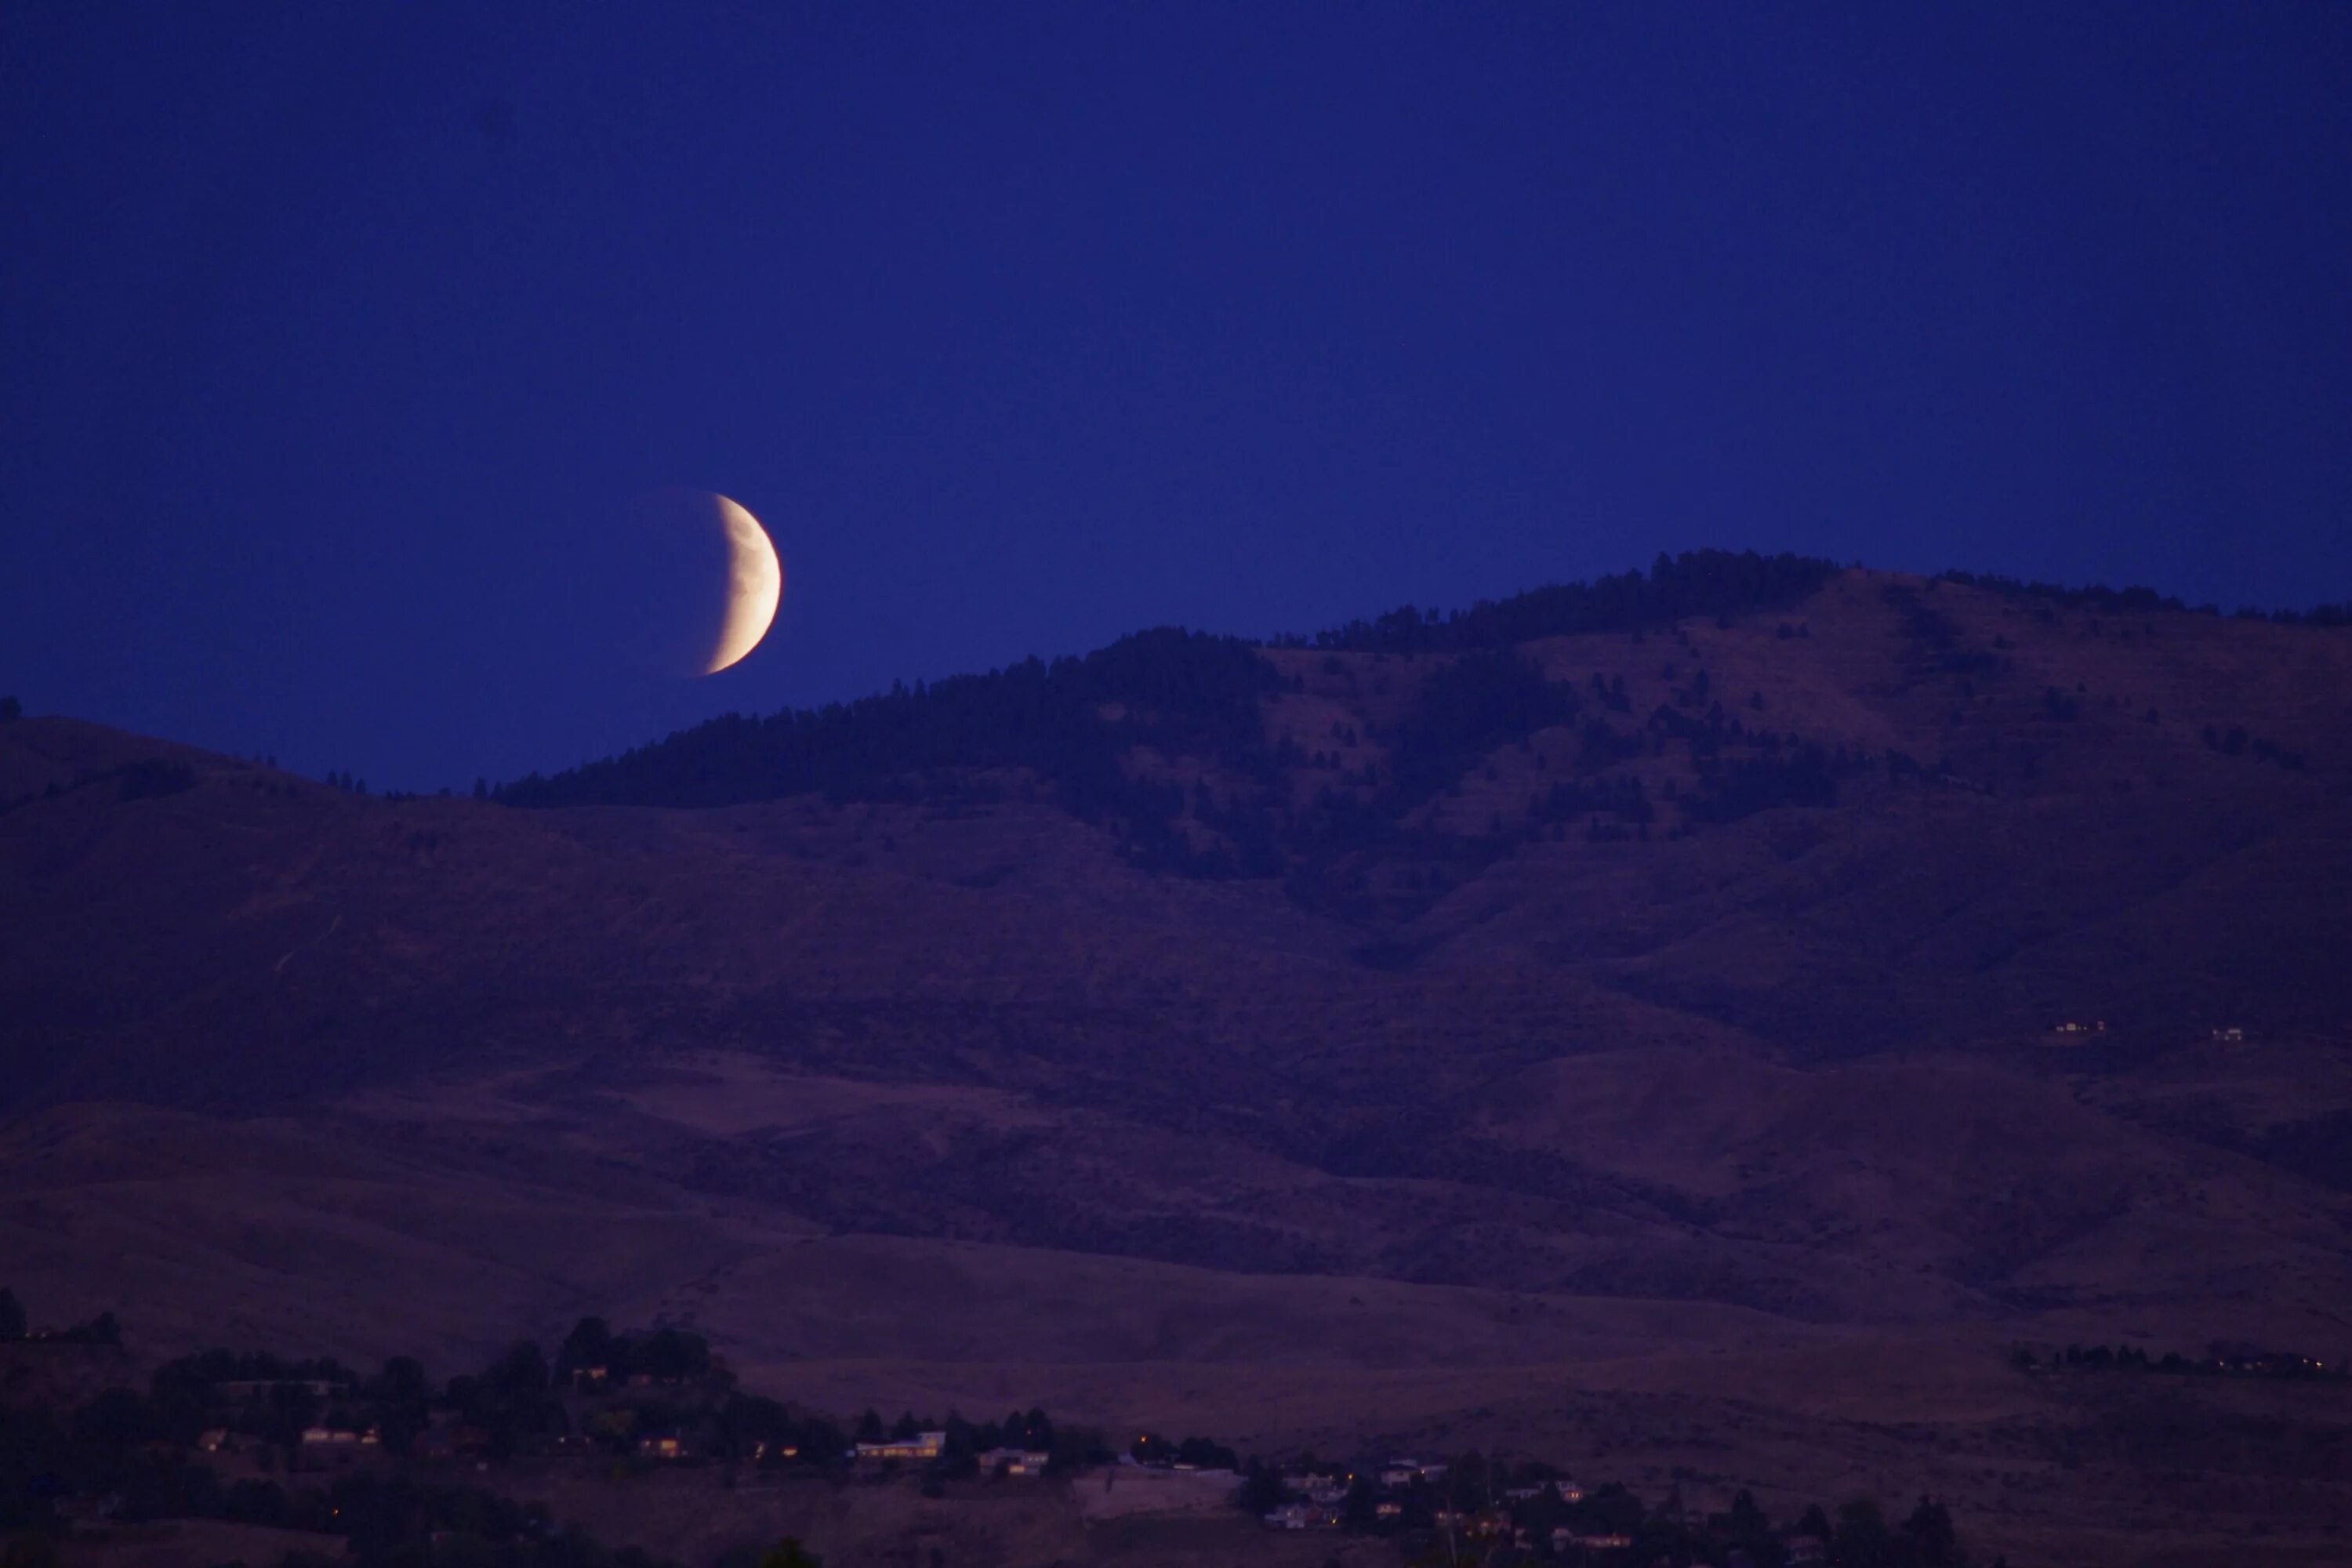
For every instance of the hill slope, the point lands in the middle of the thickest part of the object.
(1473, 995)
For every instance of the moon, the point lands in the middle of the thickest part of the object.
(755, 585)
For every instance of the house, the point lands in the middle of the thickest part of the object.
(922, 1446)
(1568, 1490)
(1601, 1542)
(1301, 1516)
(327, 1437)
(765, 1449)
(2233, 1036)
(1389, 1510)
(1013, 1462)
(662, 1446)
(1808, 1549)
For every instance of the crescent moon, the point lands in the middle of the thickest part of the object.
(755, 584)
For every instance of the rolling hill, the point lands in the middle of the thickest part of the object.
(1626, 1019)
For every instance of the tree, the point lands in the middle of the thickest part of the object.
(403, 1379)
(1862, 1539)
(588, 1344)
(1262, 1489)
(10, 709)
(1746, 1520)
(12, 1316)
(522, 1370)
(1930, 1525)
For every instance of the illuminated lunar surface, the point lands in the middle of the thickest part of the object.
(755, 584)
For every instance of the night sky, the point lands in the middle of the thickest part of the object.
(332, 337)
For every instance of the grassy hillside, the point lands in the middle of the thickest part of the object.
(1628, 976)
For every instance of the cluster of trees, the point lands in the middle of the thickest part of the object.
(1070, 723)
(383, 1519)
(2099, 597)
(132, 1448)
(1075, 725)
(668, 1354)
(2133, 1358)
(1473, 1495)
(1030, 1431)
(135, 1448)
(1709, 582)
(153, 777)
(1074, 722)
(1485, 698)
(2235, 742)
(101, 1329)
(1201, 1453)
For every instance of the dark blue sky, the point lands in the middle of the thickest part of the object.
(330, 335)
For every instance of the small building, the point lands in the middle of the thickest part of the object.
(1808, 1549)
(920, 1448)
(662, 1446)
(1014, 1462)
(1301, 1516)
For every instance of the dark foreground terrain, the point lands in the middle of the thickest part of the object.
(1701, 1044)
